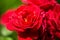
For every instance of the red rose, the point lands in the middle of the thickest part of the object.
(26, 16)
(45, 4)
(48, 26)
(33, 22)
(26, 20)
(38, 2)
(54, 16)
(51, 24)
(31, 16)
(57, 19)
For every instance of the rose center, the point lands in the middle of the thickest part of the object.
(25, 19)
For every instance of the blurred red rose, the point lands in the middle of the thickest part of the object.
(45, 4)
(57, 19)
(38, 2)
(33, 22)
(48, 26)
(51, 24)
(26, 16)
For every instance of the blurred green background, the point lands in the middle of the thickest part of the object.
(5, 5)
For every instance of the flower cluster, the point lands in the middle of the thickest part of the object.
(34, 20)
